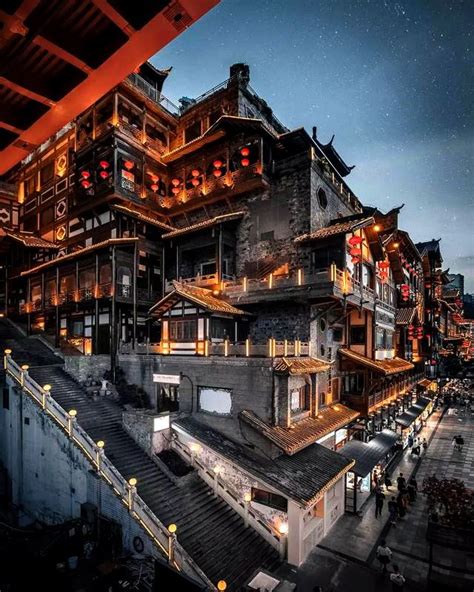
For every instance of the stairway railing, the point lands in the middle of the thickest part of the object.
(163, 539)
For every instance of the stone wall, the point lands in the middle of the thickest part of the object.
(81, 367)
(249, 380)
(139, 424)
(50, 478)
(280, 320)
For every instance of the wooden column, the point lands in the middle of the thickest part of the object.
(135, 278)
(113, 320)
(177, 262)
(95, 345)
(219, 254)
(58, 323)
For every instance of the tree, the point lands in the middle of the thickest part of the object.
(450, 499)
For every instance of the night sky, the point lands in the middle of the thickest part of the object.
(392, 80)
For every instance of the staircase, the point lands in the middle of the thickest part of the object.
(211, 532)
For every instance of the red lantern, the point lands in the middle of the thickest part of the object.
(217, 164)
(104, 164)
(154, 187)
(154, 178)
(129, 164)
(355, 240)
(245, 151)
(104, 175)
(175, 182)
(175, 190)
(85, 183)
(195, 182)
(85, 174)
(245, 162)
(195, 173)
(217, 172)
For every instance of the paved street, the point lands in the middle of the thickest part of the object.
(347, 555)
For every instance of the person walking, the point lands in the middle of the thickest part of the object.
(384, 555)
(393, 511)
(410, 441)
(398, 581)
(411, 492)
(379, 501)
(460, 442)
(425, 445)
(387, 482)
(401, 482)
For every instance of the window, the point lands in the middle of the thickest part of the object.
(267, 236)
(337, 334)
(379, 338)
(353, 384)
(298, 399)
(272, 500)
(322, 399)
(208, 268)
(322, 198)
(358, 335)
(322, 325)
(213, 400)
(183, 330)
(47, 173)
(222, 328)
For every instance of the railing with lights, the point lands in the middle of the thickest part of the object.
(163, 538)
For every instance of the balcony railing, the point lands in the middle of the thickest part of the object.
(153, 94)
(271, 349)
(81, 295)
(165, 543)
(202, 281)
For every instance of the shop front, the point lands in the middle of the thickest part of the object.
(411, 421)
(371, 460)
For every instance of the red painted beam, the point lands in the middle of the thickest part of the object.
(141, 46)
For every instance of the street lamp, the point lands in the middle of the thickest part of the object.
(172, 528)
(132, 485)
(45, 392)
(99, 453)
(70, 420)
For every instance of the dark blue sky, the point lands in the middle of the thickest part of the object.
(393, 80)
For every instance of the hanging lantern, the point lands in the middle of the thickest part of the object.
(85, 183)
(195, 182)
(195, 173)
(104, 175)
(104, 164)
(154, 187)
(419, 332)
(245, 151)
(129, 164)
(217, 164)
(85, 174)
(175, 182)
(175, 190)
(245, 162)
(354, 240)
(154, 178)
(217, 173)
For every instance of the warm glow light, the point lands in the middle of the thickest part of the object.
(100, 444)
(172, 528)
(72, 413)
(221, 585)
(132, 482)
(283, 528)
(336, 408)
(25, 368)
(377, 228)
(216, 470)
(46, 387)
(195, 447)
(396, 245)
(248, 497)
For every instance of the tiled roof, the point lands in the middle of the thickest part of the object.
(405, 316)
(79, 253)
(143, 217)
(387, 367)
(425, 382)
(368, 454)
(200, 296)
(303, 477)
(204, 224)
(337, 228)
(300, 365)
(304, 432)
(29, 240)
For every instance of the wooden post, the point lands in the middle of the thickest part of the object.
(135, 280)
(113, 321)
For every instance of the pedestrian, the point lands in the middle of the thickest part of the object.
(379, 501)
(425, 445)
(384, 555)
(401, 482)
(454, 442)
(416, 451)
(393, 511)
(410, 441)
(414, 483)
(387, 481)
(411, 492)
(460, 442)
(398, 581)
(401, 504)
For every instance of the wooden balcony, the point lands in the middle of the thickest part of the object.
(245, 349)
(202, 281)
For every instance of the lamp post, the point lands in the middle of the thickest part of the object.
(44, 394)
(172, 528)
(24, 372)
(283, 530)
(216, 470)
(132, 489)
(71, 418)
(99, 453)
(8, 353)
(247, 500)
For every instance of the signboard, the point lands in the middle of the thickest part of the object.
(167, 378)
(161, 423)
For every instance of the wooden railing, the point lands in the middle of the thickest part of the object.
(165, 542)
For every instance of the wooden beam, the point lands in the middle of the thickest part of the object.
(10, 128)
(114, 16)
(61, 53)
(21, 90)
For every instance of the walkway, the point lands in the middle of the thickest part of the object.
(347, 554)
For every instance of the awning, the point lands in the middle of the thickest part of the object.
(413, 413)
(386, 367)
(300, 366)
(425, 382)
(368, 454)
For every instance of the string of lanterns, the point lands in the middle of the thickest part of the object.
(355, 250)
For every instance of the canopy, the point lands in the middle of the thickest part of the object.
(368, 454)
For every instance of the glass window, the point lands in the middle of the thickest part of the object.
(353, 384)
(358, 335)
(183, 330)
(298, 399)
